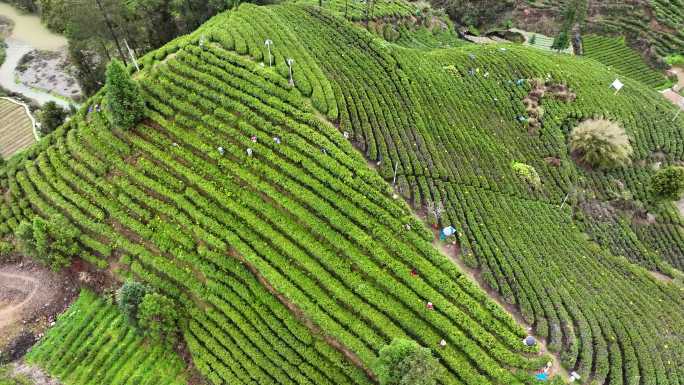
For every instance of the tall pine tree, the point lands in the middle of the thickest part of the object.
(125, 105)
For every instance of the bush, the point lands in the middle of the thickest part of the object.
(51, 116)
(6, 252)
(52, 242)
(128, 298)
(527, 173)
(157, 316)
(601, 144)
(668, 183)
(561, 42)
(125, 105)
(404, 362)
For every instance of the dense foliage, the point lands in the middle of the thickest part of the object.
(92, 344)
(50, 117)
(129, 297)
(157, 317)
(52, 241)
(404, 362)
(124, 103)
(668, 183)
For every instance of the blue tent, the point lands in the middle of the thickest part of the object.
(542, 376)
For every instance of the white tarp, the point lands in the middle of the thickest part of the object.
(617, 84)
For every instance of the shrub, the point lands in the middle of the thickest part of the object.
(128, 298)
(157, 316)
(125, 105)
(527, 173)
(668, 183)
(600, 143)
(53, 242)
(6, 252)
(404, 362)
(51, 116)
(561, 42)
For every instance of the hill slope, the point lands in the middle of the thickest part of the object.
(293, 259)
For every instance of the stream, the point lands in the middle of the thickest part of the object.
(28, 34)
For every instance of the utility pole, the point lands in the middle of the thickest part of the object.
(290, 62)
(396, 167)
(110, 26)
(130, 52)
(268, 43)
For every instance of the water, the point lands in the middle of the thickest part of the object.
(28, 29)
(28, 34)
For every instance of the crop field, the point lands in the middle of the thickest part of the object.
(246, 197)
(614, 53)
(16, 130)
(631, 20)
(92, 344)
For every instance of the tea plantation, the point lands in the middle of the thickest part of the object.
(93, 344)
(246, 196)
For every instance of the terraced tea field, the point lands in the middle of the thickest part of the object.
(92, 344)
(16, 129)
(614, 53)
(245, 195)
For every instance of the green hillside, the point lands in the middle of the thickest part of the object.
(294, 262)
(614, 53)
(658, 22)
(92, 344)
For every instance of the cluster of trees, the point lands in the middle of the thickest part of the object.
(153, 313)
(96, 30)
(52, 241)
(404, 362)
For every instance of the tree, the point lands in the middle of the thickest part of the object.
(668, 183)
(52, 242)
(157, 317)
(125, 104)
(600, 143)
(128, 298)
(561, 42)
(527, 173)
(51, 116)
(404, 362)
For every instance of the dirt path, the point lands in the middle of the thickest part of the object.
(31, 296)
(19, 282)
(452, 251)
(34, 373)
(672, 94)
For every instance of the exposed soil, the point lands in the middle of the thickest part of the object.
(32, 296)
(672, 93)
(34, 373)
(50, 71)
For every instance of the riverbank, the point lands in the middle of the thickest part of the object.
(40, 55)
(49, 71)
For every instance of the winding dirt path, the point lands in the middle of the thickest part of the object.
(19, 282)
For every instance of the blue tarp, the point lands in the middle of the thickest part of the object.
(447, 232)
(542, 376)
